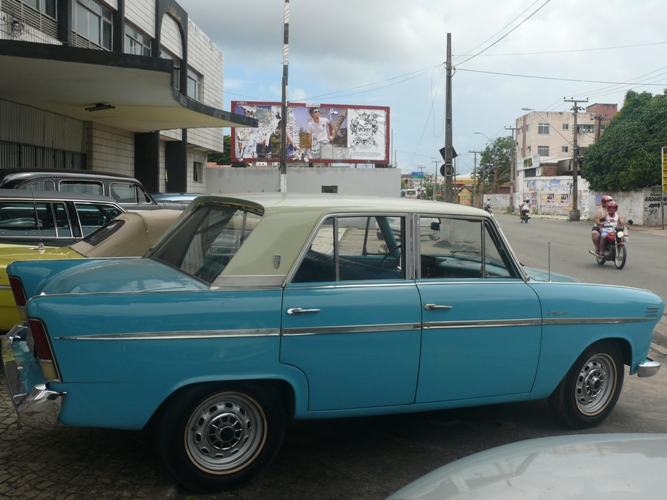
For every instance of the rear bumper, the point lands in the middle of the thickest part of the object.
(648, 368)
(36, 405)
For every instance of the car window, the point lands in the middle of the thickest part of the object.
(93, 216)
(36, 219)
(82, 187)
(41, 185)
(347, 249)
(128, 192)
(453, 249)
(207, 240)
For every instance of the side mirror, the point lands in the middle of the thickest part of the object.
(435, 226)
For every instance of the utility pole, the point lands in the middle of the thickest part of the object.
(435, 183)
(448, 123)
(575, 214)
(283, 114)
(599, 119)
(475, 184)
(510, 209)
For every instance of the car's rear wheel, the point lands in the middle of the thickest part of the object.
(219, 438)
(589, 391)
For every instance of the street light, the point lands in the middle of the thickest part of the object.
(482, 133)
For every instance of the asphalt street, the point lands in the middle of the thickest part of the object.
(362, 458)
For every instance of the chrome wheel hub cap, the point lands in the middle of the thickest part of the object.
(225, 433)
(595, 384)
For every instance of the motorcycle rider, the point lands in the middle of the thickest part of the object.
(602, 212)
(525, 207)
(609, 224)
(487, 205)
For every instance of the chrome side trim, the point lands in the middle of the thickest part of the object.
(439, 325)
(5, 287)
(335, 330)
(354, 284)
(204, 334)
(255, 281)
(593, 321)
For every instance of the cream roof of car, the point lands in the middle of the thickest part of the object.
(140, 231)
(289, 220)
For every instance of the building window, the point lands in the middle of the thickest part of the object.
(543, 150)
(47, 7)
(329, 189)
(543, 128)
(165, 54)
(527, 127)
(564, 149)
(198, 172)
(194, 85)
(93, 22)
(136, 42)
(586, 128)
(566, 126)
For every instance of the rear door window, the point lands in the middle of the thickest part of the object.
(129, 192)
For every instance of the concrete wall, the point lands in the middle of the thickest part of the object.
(359, 181)
(643, 207)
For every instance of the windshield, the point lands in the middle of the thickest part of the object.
(207, 240)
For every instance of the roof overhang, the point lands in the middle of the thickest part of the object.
(67, 80)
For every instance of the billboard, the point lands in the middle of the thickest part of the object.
(319, 133)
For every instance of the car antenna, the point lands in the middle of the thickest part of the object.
(549, 261)
(39, 231)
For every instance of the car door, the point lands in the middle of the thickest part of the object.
(351, 321)
(481, 321)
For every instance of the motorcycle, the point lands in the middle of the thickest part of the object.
(487, 207)
(524, 216)
(614, 248)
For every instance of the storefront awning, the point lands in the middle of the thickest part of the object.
(124, 91)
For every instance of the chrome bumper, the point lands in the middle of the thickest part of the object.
(648, 368)
(36, 406)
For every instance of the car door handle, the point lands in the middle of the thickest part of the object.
(433, 307)
(297, 310)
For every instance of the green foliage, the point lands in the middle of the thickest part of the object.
(627, 156)
(224, 158)
(495, 163)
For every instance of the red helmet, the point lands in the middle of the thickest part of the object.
(606, 199)
(612, 206)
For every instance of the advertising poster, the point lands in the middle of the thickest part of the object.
(322, 133)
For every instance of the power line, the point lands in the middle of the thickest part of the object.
(561, 79)
(570, 51)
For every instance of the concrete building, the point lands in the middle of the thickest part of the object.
(545, 149)
(124, 86)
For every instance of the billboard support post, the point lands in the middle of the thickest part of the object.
(283, 114)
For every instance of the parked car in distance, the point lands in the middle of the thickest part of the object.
(130, 234)
(610, 466)
(259, 308)
(127, 191)
(33, 217)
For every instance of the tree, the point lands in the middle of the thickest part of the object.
(627, 156)
(495, 163)
(224, 158)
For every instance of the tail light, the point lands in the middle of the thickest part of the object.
(19, 295)
(44, 350)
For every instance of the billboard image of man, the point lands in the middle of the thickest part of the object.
(319, 130)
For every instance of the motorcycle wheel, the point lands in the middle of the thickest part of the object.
(621, 255)
(601, 260)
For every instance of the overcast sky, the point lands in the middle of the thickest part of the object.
(507, 55)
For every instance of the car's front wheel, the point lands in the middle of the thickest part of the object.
(589, 391)
(213, 439)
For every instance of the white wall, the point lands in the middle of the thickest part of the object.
(359, 181)
(643, 207)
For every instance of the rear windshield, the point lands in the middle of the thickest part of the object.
(207, 240)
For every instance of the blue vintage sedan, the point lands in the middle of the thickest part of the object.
(259, 308)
